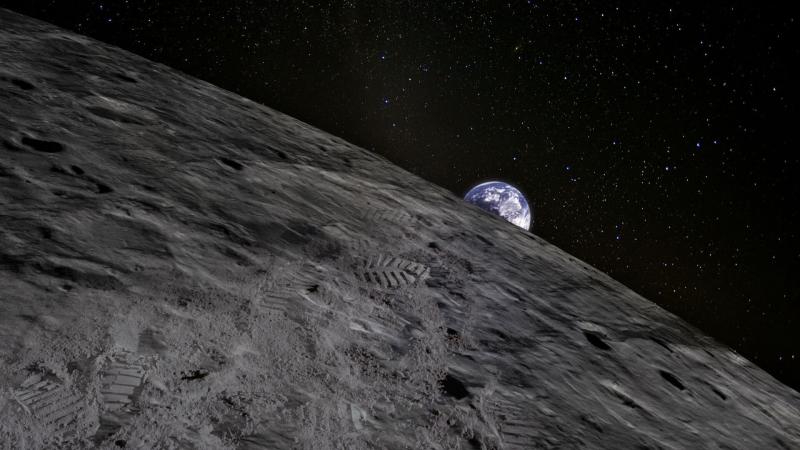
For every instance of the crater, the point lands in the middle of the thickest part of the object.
(43, 146)
(230, 163)
(59, 170)
(662, 343)
(126, 78)
(45, 232)
(484, 240)
(103, 188)
(719, 393)
(474, 443)
(453, 387)
(672, 379)
(626, 400)
(456, 294)
(22, 84)
(194, 375)
(596, 340)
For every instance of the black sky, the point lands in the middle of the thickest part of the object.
(656, 140)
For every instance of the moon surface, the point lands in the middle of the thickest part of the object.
(181, 267)
(503, 200)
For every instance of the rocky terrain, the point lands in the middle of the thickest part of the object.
(183, 268)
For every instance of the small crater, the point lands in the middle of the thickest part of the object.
(46, 232)
(77, 170)
(116, 116)
(662, 343)
(43, 146)
(474, 443)
(194, 375)
(672, 379)
(230, 163)
(22, 84)
(596, 340)
(121, 443)
(312, 289)
(719, 393)
(59, 170)
(456, 294)
(103, 188)
(452, 332)
(433, 245)
(281, 154)
(484, 240)
(453, 387)
(126, 78)
(591, 422)
(627, 401)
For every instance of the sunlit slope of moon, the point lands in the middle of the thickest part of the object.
(181, 267)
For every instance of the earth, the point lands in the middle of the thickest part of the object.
(501, 199)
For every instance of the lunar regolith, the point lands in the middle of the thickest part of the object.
(183, 268)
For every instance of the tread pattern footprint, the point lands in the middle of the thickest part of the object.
(516, 424)
(351, 240)
(55, 405)
(391, 272)
(121, 382)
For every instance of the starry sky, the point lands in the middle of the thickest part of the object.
(656, 140)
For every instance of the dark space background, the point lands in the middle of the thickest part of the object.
(655, 140)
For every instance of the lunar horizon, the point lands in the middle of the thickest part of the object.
(182, 267)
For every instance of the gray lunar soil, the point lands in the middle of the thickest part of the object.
(181, 267)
